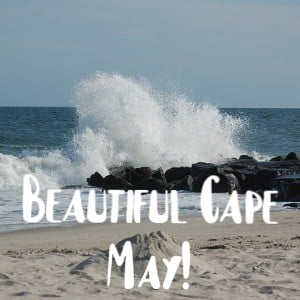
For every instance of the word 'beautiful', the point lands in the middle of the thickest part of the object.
(253, 203)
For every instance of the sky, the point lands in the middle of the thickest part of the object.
(231, 53)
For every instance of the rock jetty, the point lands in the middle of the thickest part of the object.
(245, 173)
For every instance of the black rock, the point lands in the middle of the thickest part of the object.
(293, 191)
(96, 180)
(292, 205)
(277, 158)
(288, 187)
(185, 184)
(292, 156)
(255, 180)
(242, 164)
(135, 175)
(289, 191)
(243, 174)
(111, 182)
(174, 174)
(246, 157)
(201, 167)
(227, 184)
(143, 172)
(246, 179)
(131, 174)
(160, 175)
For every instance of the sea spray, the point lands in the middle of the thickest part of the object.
(124, 120)
(144, 127)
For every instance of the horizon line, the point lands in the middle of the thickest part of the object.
(220, 107)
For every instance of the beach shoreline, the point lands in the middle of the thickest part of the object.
(251, 261)
(47, 236)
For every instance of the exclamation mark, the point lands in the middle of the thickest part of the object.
(186, 263)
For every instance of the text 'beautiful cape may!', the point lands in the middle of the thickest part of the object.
(31, 197)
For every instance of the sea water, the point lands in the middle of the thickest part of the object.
(115, 120)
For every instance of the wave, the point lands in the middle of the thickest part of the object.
(125, 120)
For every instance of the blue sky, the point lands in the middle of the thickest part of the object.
(231, 53)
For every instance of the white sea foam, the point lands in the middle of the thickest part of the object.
(144, 127)
(125, 120)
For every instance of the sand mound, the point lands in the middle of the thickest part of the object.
(158, 244)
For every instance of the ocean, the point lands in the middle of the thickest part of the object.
(116, 120)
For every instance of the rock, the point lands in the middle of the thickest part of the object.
(185, 184)
(243, 174)
(243, 164)
(160, 175)
(96, 180)
(111, 182)
(293, 191)
(246, 157)
(293, 165)
(178, 173)
(292, 205)
(290, 191)
(142, 173)
(228, 182)
(135, 175)
(292, 156)
(201, 167)
(245, 178)
(136, 178)
(288, 187)
(131, 174)
(277, 158)
(255, 180)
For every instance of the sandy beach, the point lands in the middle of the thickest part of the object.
(228, 261)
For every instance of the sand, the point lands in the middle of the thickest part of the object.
(228, 261)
